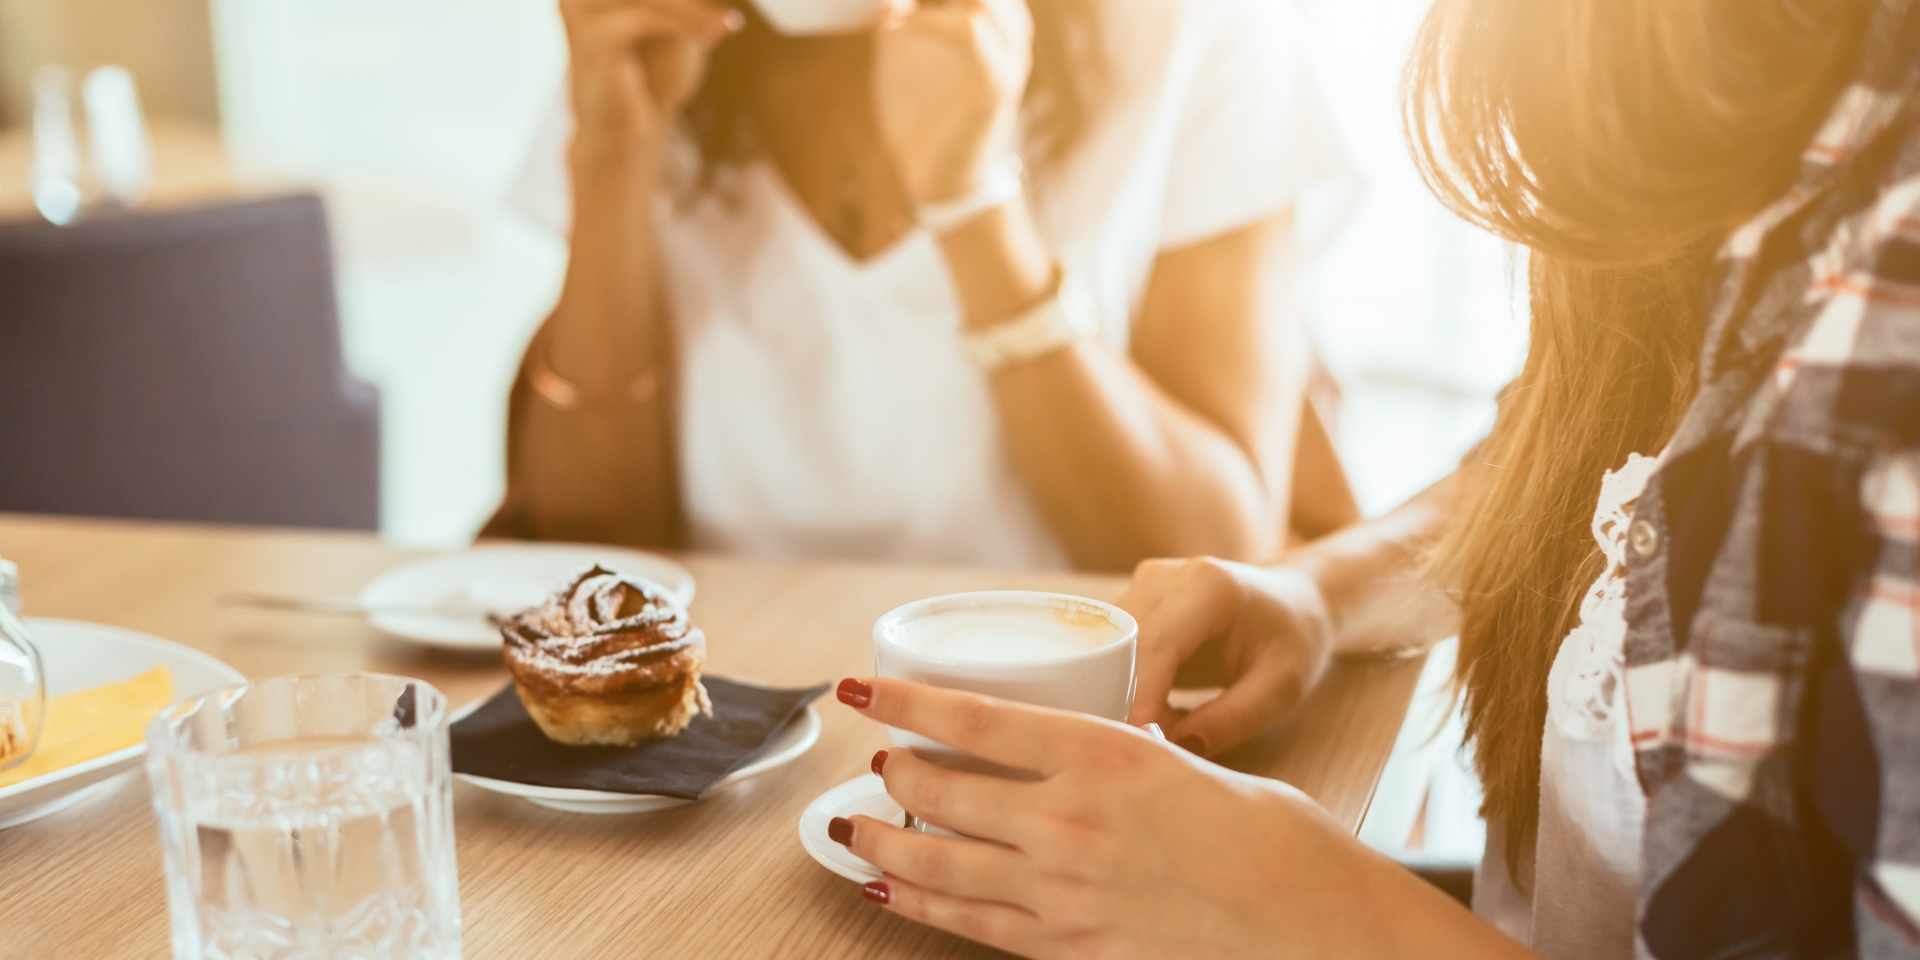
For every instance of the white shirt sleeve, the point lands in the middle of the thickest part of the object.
(1253, 130)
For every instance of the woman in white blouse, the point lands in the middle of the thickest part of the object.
(972, 282)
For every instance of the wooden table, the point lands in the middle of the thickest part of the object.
(724, 878)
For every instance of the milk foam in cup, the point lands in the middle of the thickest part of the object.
(1007, 633)
(1047, 649)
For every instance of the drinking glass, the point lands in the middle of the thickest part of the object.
(308, 818)
(23, 685)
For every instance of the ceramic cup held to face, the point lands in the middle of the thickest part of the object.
(800, 18)
(1046, 649)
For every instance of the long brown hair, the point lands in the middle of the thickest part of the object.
(1620, 141)
(1063, 93)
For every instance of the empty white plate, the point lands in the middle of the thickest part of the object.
(787, 746)
(865, 795)
(79, 656)
(497, 579)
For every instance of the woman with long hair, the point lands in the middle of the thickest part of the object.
(980, 281)
(1683, 568)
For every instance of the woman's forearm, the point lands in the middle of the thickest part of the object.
(608, 326)
(603, 470)
(1379, 910)
(1125, 472)
(1360, 903)
(1122, 470)
(1371, 580)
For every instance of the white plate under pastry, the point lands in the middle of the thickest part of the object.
(788, 745)
(500, 580)
(79, 656)
(865, 795)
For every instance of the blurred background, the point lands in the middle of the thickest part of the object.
(410, 118)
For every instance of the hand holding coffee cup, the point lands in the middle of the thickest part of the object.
(948, 80)
(1115, 848)
(633, 66)
(1045, 649)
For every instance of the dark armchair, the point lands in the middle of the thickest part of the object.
(182, 365)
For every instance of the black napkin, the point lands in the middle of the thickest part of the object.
(501, 742)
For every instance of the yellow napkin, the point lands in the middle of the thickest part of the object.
(96, 722)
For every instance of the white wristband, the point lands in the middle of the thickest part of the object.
(1001, 186)
(1070, 315)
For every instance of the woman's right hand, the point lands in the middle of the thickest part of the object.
(1122, 847)
(1262, 634)
(635, 63)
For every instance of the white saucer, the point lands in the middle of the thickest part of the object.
(860, 796)
(79, 656)
(500, 580)
(787, 746)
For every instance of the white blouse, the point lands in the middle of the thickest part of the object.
(1586, 858)
(826, 406)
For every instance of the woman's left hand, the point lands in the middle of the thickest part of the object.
(1124, 847)
(1262, 633)
(948, 76)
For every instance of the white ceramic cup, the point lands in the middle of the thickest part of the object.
(800, 18)
(1097, 681)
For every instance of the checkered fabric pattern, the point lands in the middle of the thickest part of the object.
(1773, 594)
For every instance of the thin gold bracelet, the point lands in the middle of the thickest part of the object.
(563, 394)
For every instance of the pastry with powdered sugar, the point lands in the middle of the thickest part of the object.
(608, 660)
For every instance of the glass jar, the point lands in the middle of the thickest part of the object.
(23, 684)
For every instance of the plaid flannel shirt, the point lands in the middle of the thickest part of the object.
(1773, 592)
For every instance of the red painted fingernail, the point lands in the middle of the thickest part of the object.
(877, 892)
(840, 831)
(855, 693)
(879, 762)
(1192, 743)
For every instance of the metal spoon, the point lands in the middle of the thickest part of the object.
(351, 606)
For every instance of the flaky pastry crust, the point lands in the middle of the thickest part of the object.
(608, 659)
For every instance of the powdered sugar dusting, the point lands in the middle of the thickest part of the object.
(599, 624)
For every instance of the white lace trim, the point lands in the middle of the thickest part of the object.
(1585, 699)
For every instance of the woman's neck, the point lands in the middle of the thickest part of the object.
(814, 117)
(815, 85)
